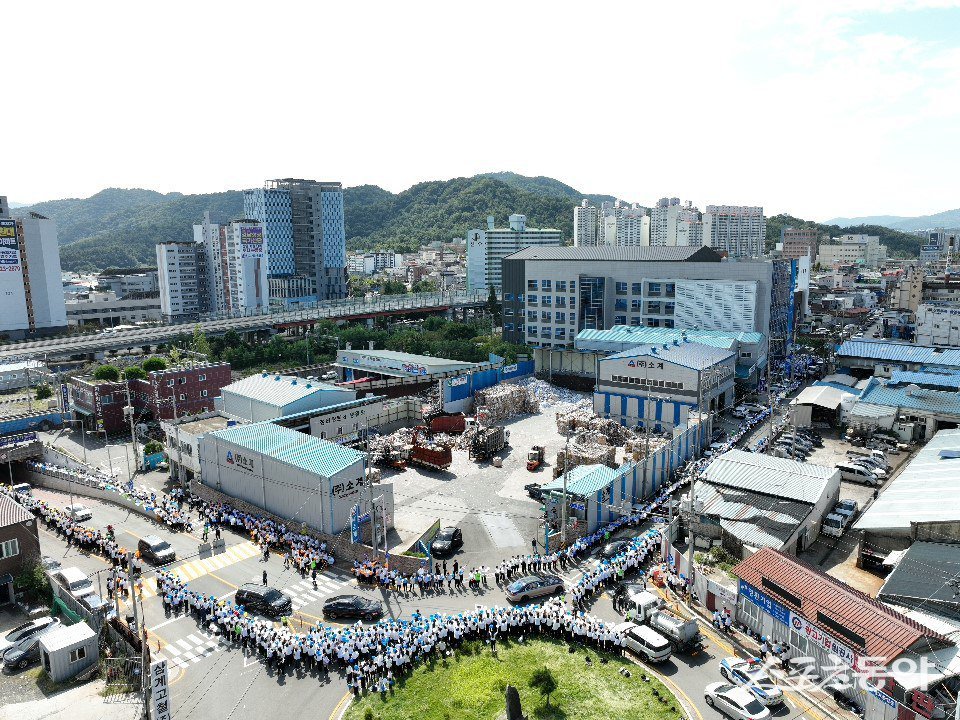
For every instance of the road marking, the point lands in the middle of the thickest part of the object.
(184, 644)
(341, 706)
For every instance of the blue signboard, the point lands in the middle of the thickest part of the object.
(766, 603)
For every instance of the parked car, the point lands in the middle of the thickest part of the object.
(857, 474)
(30, 629)
(156, 550)
(645, 642)
(847, 507)
(533, 586)
(78, 512)
(447, 541)
(352, 606)
(748, 673)
(735, 702)
(76, 583)
(834, 524)
(49, 563)
(869, 467)
(23, 654)
(263, 600)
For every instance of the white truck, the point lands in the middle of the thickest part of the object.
(645, 607)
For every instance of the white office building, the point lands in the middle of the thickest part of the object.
(862, 250)
(30, 280)
(585, 224)
(673, 224)
(487, 248)
(738, 230)
(245, 280)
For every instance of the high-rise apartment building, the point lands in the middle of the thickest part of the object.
(31, 289)
(208, 233)
(487, 248)
(247, 288)
(625, 226)
(799, 242)
(585, 224)
(673, 224)
(183, 278)
(738, 230)
(305, 238)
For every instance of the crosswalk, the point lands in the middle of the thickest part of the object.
(193, 569)
(192, 649)
(302, 592)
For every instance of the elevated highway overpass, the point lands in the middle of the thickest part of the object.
(351, 309)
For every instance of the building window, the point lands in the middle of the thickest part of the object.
(202, 378)
(561, 301)
(532, 330)
(653, 289)
(182, 381)
(546, 332)
(508, 311)
(560, 334)
(545, 284)
(636, 289)
(620, 304)
(671, 289)
(573, 302)
(508, 327)
(9, 548)
(521, 298)
(561, 286)
(750, 610)
(78, 654)
(560, 317)
(636, 321)
(573, 286)
(531, 299)
(619, 319)
(203, 393)
(531, 284)
(546, 299)
(182, 396)
(508, 297)
(635, 305)
(621, 288)
(170, 383)
(532, 315)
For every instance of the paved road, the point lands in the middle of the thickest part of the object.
(212, 678)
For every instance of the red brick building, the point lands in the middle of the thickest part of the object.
(163, 395)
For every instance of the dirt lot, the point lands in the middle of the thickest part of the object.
(838, 556)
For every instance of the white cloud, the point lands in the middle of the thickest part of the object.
(791, 105)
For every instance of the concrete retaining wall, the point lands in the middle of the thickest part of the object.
(83, 488)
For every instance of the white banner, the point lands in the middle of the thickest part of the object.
(160, 690)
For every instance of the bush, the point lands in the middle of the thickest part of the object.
(44, 391)
(135, 372)
(153, 447)
(34, 584)
(153, 364)
(109, 373)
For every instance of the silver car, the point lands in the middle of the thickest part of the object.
(533, 586)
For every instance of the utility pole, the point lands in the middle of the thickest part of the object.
(369, 481)
(128, 411)
(176, 432)
(769, 402)
(563, 506)
(693, 475)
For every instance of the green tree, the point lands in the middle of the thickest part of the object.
(109, 373)
(44, 391)
(134, 372)
(200, 344)
(543, 681)
(152, 447)
(152, 364)
(393, 287)
(175, 355)
(493, 305)
(424, 286)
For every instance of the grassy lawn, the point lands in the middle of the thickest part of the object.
(470, 687)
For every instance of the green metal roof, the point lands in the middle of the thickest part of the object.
(585, 480)
(292, 447)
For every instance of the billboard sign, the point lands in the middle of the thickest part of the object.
(251, 241)
(9, 247)
(766, 603)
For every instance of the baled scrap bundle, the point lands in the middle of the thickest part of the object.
(496, 404)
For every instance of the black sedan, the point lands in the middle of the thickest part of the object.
(447, 541)
(24, 653)
(352, 606)
(534, 490)
(612, 549)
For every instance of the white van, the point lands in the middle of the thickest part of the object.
(76, 583)
(645, 642)
(834, 524)
(857, 474)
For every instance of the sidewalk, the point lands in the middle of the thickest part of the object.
(81, 703)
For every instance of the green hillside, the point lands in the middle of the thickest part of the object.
(120, 228)
(545, 186)
(899, 243)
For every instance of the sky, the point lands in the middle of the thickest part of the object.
(819, 108)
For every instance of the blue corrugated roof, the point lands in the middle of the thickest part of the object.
(691, 355)
(645, 335)
(890, 351)
(908, 396)
(585, 480)
(943, 379)
(278, 389)
(294, 448)
(836, 385)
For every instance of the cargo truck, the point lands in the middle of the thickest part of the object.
(487, 441)
(645, 607)
(448, 423)
(428, 453)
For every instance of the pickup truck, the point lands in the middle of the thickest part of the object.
(645, 607)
